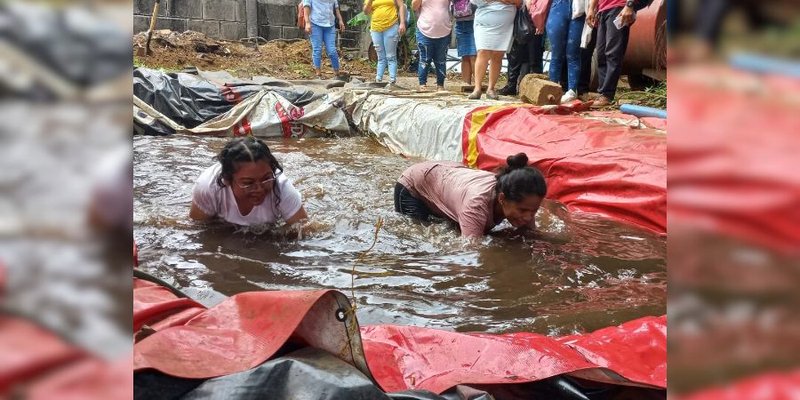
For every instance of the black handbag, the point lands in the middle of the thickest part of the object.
(523, 26)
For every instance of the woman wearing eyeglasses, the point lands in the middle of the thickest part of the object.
(246, 187)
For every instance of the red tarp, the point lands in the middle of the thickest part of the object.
(590, 165)
(408, 357)
(733, 144)
(773, 386)
(37, 364)
(248, 328)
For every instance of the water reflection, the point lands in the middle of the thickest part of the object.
(582, 273)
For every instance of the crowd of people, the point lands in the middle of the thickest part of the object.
(485, 31)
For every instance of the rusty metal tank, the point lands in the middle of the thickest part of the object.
(647, 46)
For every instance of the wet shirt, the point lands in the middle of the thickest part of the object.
(609, 4)
(434, 18)
(219, 201)
(454, 191)
(322, 13)
(384, 15)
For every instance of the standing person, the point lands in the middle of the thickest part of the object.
(528, 58)
(464, 15)
(321, 17)
(433, 38)
(523, 59)
(611, 42)
(564, 30)
(494, 27)
(386, 27)
(246, 186)
(476, 200)
(585, 80)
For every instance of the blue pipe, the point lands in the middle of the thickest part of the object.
(642, 111)
(763, 64)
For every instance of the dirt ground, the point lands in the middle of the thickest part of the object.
(286, 59)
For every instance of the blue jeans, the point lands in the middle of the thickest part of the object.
(564, 34)
(432, 50)
(386, 46)
(320, 35)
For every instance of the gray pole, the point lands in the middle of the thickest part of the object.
(251, 9)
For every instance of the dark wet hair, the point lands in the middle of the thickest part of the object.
(246, 149)
(519, 180)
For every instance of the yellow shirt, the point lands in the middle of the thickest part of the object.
(384, 15)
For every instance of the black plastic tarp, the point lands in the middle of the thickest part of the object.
(303, 374)
(190, 100)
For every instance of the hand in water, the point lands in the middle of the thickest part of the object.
(304, 228)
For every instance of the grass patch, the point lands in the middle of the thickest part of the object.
(653, 96)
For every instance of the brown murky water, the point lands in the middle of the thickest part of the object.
(590, 273)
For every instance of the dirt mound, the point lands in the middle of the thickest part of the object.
(286, 59)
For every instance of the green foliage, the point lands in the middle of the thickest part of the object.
(360, 19)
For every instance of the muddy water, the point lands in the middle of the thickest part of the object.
(588, 273)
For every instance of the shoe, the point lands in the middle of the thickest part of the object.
(423, 88)
(587, 97)
(475, 95)
(600, 102)
(318, 78)
(492, 95)
(393, 86)
(507, 91)
(440, 89)
(569, 96)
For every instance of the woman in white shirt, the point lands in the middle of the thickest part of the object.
(246, 187)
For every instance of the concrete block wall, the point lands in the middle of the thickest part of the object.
(228, 19)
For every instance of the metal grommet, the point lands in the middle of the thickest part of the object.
(341, 315)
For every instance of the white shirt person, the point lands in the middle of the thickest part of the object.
(246, 187)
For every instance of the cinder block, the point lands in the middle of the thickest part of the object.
(232, 30)
(210, 28)
(270, 32)
(291, 32)
(192, 9)
(140, 23)
(535, 90)
(224, 10)
(277, 14)
(175, 24)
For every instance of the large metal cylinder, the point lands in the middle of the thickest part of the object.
(647, 47)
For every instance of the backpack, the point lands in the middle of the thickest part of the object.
(462, 9)
(301, 16)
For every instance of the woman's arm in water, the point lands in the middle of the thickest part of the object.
(299, 216)
(198, 215)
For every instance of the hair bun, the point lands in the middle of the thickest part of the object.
(519, 160)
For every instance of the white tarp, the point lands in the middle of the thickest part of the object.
(426, 125)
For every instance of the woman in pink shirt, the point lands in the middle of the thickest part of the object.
(476, 200)
(433, 38)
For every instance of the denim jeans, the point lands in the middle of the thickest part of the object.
(386, 46)
(564, 34)
(406, 203)
(326, 35)
(432, 50)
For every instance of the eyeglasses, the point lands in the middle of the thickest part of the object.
(255, 186)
